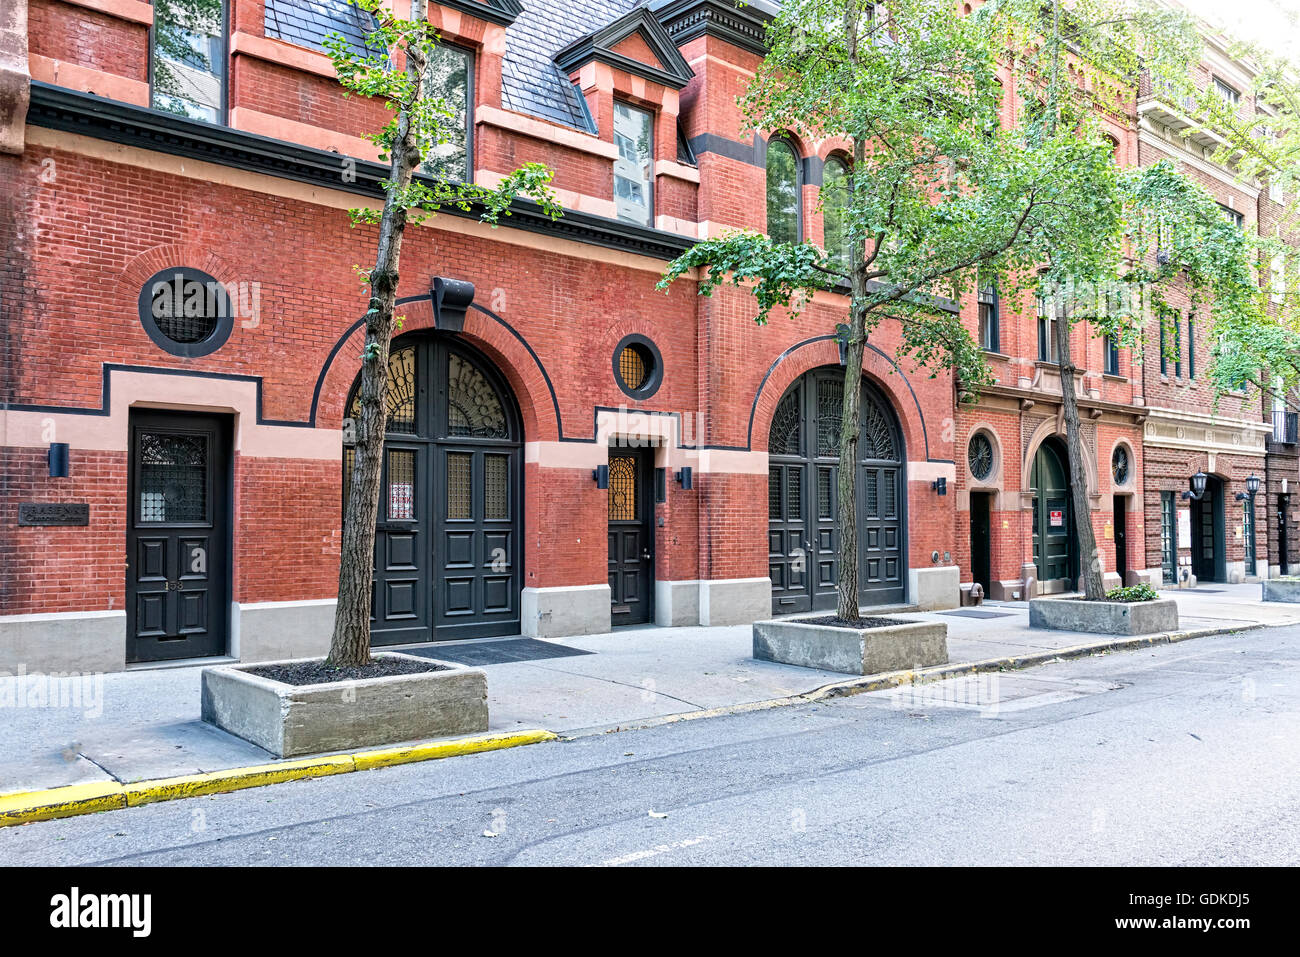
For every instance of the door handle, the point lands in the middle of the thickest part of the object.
(645, 555)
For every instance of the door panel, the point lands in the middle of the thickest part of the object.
(980, 540)
(178, 532)
(631, 538)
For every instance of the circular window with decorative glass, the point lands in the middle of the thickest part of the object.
(637, 367)
(980, 454)
(1119, 465)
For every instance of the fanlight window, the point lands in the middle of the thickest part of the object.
(401, 392)
(473, 406)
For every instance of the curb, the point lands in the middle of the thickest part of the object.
(78, 799)
(898, 679)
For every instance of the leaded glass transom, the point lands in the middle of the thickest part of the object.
(980, 455)
(400, 398)
(783, 438)
(1119, 465)
(473, 407)
(830, 412)
(878, 433)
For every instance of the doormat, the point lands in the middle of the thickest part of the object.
(977, 613)
(497, 652)
(1198, 590)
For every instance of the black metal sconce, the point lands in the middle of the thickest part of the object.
(1252, 486)
(58, 458)
(685, 478)
(451, 297)
(601, 474)
(1197, 482)
(842, 341)
(940, 485)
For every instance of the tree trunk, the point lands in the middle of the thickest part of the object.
(350, 643)
(851, 412)
(1090, 560)
(850, 427)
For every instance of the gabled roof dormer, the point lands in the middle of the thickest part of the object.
(635, 43)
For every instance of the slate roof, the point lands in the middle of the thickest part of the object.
(307, 22)
(531, 82)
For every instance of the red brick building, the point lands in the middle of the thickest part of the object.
(181, 329)
(571, 450)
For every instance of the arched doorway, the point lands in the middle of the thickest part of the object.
(1209, 543)
(803, 486)
(1056, 548)
(448, 538)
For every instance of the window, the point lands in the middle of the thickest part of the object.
(1178, 349)
(989, 334)
(1191, 346)
(1111, 356)
(634, 168)
(449, 75)
(1164, 352)
(1049, 314)
(782, 192)
(1237, 219)
(188, 65)
(638, 366)
(835, 202)
(1275, 191)
(1277, 278)
(1228, 94)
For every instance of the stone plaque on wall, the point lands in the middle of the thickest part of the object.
(54, 513)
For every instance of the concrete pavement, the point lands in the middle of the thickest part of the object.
(139, 725)
(1180, 754)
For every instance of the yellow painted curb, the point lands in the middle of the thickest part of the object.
(61, 802)
(78, 799)
(234, 779)
(386, 757)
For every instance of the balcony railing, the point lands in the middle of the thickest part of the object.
(1286, 425)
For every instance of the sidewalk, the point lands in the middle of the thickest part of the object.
(144, 724)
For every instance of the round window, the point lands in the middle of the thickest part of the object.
(638, 368)
(980, 454)
(1119, 465)
(186, 312)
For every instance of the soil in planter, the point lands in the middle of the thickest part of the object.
(317, 672)
(835, 622)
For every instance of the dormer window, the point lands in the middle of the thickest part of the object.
(187, 69)
(450, 74)
(782, 191)
(634, 168)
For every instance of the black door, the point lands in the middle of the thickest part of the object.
(178, 536)
(1283, 503)
(1055, 545)
(980, 540)
(448, 533)
(803, 490)
(631, 537)
(1121, 538)
(1209, 556)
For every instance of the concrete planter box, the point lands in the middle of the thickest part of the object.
(852, 651)
(290, 720)
(1104, 617)
(1281, 589)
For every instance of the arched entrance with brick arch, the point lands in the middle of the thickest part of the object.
(1053, 521)
(803, 488)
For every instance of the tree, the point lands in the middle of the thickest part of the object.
(394, 68)
(940, 197)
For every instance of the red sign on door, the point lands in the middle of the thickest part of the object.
(1057, 518)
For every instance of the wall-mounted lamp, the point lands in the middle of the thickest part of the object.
(58, 460)
(842, 341)
(601, 474)
(685, 478)
(940, 485)
(1252, 486)
(1197, 482)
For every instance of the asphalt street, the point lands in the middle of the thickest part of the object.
(1184, 754)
